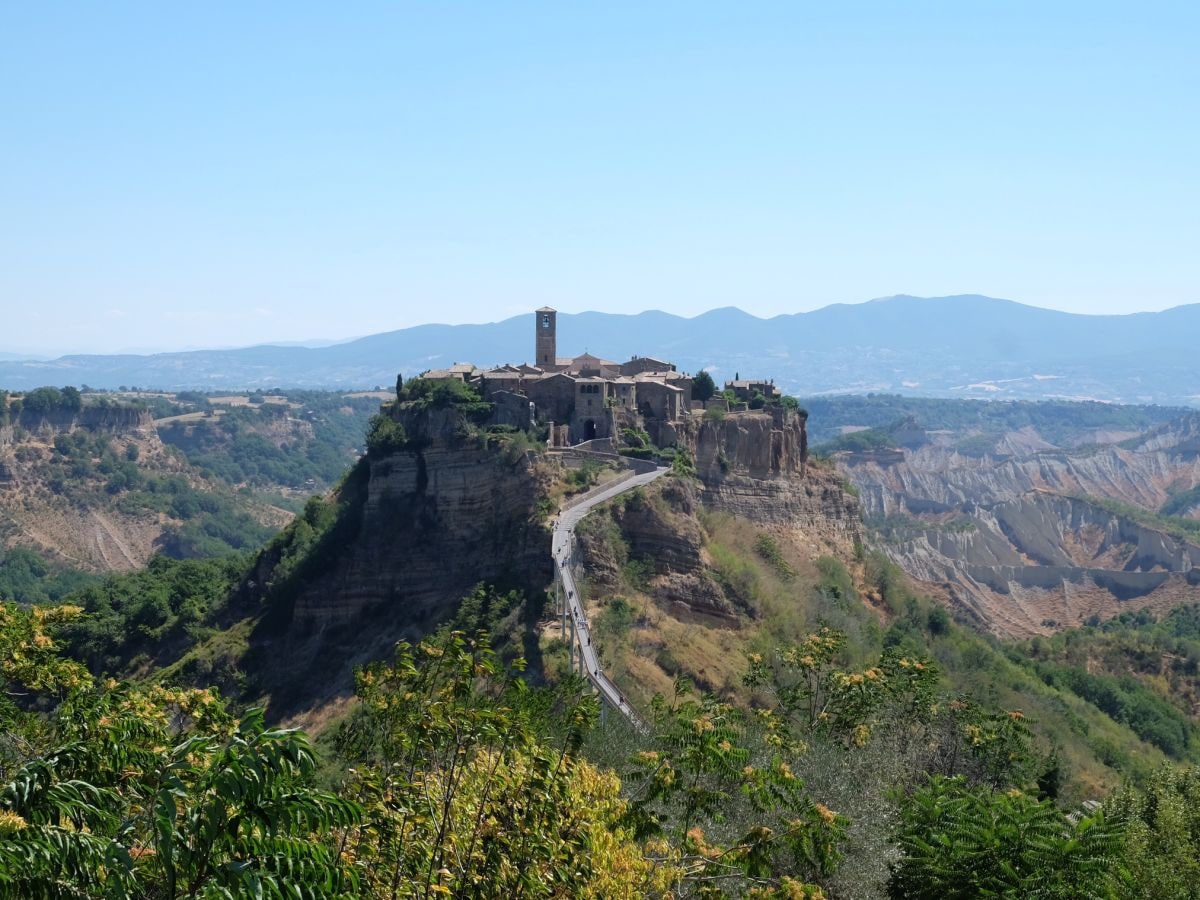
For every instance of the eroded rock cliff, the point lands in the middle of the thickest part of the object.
(754, 465)
(63, 507)
(1011, 537)
(436, 518)
(749, 465)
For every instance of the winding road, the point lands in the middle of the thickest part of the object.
(566, 556)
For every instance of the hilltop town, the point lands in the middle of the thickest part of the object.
(586, 398)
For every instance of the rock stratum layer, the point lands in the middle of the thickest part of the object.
(435, 521)
(1019, 539)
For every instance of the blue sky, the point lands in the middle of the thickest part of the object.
(215, 174)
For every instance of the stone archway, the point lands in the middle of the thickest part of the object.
(589, 430)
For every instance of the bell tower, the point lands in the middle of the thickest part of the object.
(546, 344)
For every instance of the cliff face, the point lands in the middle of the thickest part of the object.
(760, 444)
(935, 477)
(435, 521)
(754, 465)
(112, 419)
(659, 528)
(447, 512)
(749, 465)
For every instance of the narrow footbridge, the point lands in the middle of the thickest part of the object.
(570, 607)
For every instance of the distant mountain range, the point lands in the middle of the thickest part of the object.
(962, 346)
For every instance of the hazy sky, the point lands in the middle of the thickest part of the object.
(221, 174)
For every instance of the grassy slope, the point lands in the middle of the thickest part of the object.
(645, 646)
(791, 591)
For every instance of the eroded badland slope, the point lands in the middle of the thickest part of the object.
(1026, 537)
(94, 489)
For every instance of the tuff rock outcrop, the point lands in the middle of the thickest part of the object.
(436, 519)
(751, 465)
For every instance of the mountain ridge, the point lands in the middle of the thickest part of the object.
(961, 345)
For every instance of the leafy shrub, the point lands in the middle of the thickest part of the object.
(768, 549)
(1161, 827)
(446, 394)
(960, 843)
(385, 436)
(682, 463)
(136, 792)
(44, 400)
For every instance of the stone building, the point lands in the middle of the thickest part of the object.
(457, 372)
(546, 348)
(640, 364)
(746, 389)
(660, 399)
(587, 397)
(553, 394)
(593, 416)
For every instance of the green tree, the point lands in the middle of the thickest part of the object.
(42, 400)
(1162, 835)
(466, 795)
(385, 435)
(961, 843)
(151, 792)
(722, 806)
(703, 386)
(72, 400)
